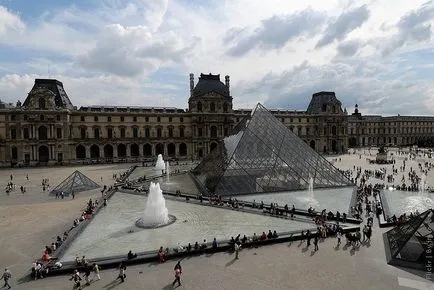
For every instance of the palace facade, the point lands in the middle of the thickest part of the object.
(47, 129)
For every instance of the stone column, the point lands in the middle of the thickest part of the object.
(115, 150)
(128, 148)
(87, 151)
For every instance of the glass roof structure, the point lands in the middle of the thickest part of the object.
(411, 244)
(76, 182)
(263, 155)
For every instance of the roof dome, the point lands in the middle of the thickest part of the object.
(210, 83)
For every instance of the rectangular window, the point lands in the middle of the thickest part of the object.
(181, 132)
(96, 133)
(58, 117)
(134, 119)
(122, 119)
(122, 132)
(170, 132)
(181, 119)
(135, 132)
(109, 133)
(83, 133)
(170, 119)
(82, 118)
(26, 133)
(146, 119)
(59, 133)
(109, 119)
(13, 134)
(95, 118)
(199, 132)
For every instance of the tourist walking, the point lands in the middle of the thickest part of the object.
(122, 275)
(338, 236)
(76, 278)
(237, 249)
(315, 242)
(178, 272)
(7, 274)
(96, 271)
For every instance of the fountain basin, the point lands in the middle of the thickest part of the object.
(144, 224)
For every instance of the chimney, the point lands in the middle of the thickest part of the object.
(191, 84)
(227, 82)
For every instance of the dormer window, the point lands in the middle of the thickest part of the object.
(212, 107)
(324, 107)
(42, 103)
(199, 107)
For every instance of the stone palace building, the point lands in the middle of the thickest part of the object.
(48, 129)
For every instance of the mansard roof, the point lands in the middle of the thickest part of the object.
(210, 83)
(52, 91)
(319, 99)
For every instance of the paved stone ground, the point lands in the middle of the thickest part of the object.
(29, 222)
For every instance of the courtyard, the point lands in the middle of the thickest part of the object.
(32, 220)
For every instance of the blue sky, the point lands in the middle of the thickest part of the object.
(140, 52)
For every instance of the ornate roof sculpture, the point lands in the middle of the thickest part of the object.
(263, 155)
(411, 244)
(47, 94)
(74, 183)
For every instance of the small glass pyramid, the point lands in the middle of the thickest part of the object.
(411, 244)
(76, 182)
(263, 155)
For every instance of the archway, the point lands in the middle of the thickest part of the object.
(80, 152)
(200, 153)
(183, 149)
(213, 146)
(159, 149)
(147, 150)
(213, 132)
(108, 151)
(171, 149)
(44, 154)
(312, 144)
(352, 142)
(122, 150)
(94, 151)
(134, 150)
(42, 133)
(14, 153)
(334, 147)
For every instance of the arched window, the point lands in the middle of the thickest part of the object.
(199, 107)
(213, 132)
(147, 133)
(159, 132)
(225, 107)
(212, 107)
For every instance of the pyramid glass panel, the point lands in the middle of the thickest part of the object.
(74, 183)
(411, 243)
(263, 155)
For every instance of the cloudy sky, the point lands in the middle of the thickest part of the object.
(377, 53)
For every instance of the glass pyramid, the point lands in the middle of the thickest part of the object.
(263, 155)
(76, 182)
(411, 243)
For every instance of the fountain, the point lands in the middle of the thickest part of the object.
(310, 198)
(160, 163)
(422, 186)
(156, 213)
(167, 171)
(401, 202)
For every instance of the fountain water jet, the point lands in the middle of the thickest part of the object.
(160, 165)
(310, 198)
(156, 213)
(167, 171)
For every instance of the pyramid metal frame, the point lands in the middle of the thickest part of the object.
(263, 155)
(76, 182)
(410, 244)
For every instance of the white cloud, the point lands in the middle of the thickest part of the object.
(9, 21)
(112, 51)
